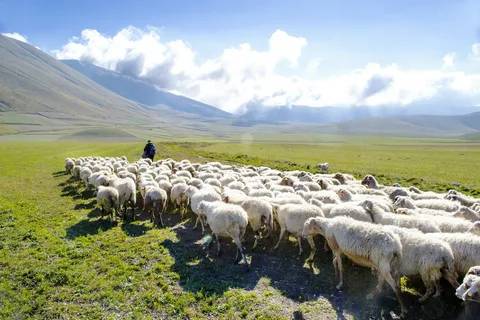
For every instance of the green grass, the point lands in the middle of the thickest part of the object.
(58, 259)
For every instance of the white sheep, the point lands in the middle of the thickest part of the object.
(225, 220)
(196, 196)
(260, 214)
(436, 204)
(465, 247)
(364, 243)
(156, 203)
(108, 200)
(179, 197)
(427, 256)
(69, 164)
(291, 218)
(127, 193)
(413, 222)
(475, 229)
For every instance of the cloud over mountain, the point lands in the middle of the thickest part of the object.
(241, 74)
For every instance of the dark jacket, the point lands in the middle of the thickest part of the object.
(149, 150)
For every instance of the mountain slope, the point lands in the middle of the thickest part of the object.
(143, 92)
(33, 82)
(325, 115)
(415, 125)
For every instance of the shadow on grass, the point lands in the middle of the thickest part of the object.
(59, 174)
(202, 271)
(89, 227)
(89, 205)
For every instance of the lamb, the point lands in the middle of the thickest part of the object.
(127, 193)
(470, 288)
(427, 256)
(69, 164)
(225, 220)
(381, 217)
(366, 244)
(465, 247)
(155, 202)
(291, 218)
(108, 200)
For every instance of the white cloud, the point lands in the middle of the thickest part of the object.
(241, 74)
(449, 60)
(476, 50)
(16, 36)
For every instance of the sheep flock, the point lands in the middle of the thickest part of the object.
(395, 231)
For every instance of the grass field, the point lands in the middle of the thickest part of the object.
(58, 259)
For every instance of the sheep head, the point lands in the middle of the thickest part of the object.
(313, 226)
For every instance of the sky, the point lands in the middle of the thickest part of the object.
(232, 54)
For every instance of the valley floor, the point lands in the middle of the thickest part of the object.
(58, 259)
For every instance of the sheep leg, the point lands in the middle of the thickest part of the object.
(338, 258)
(282, 232)
(430, 289)
(256, 241)
(378, 288)
(238, 242)
(196, 222)
(219, 252)
(396, 288)
(312, 247)
(300, 250)
(160, 216)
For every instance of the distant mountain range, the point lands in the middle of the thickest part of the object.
(40, 94)
(143, 92)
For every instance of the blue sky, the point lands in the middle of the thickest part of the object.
(341, 36)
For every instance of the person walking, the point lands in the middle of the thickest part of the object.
(149, 150)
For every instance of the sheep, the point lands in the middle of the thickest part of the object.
(69, 164)
(366, 244)
(427, 256)
(436, 204)
(463, 199)
(108, 200)
(155, 203)
(225, 220)
(381, 217)
(446, 222)
(465, 247)
(467, 214)
(349, 210)
(323, 167)
(346, 196)
(196, 196)
(178, 197)
(260, 213)
(291, 218)
(127, 193)
(475, 228)
(85, 173)
(469, 289)
(370, 182)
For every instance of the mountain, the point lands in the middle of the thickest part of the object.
(143, 92)
(413, 125)
(34, 85)
(324, 115)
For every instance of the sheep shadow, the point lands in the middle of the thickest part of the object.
(59, 174)
(89, 205)
(200, 270)
(89, 227)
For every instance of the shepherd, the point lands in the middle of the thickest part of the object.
(149, 150)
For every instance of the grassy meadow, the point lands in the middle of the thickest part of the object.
(59, 260)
